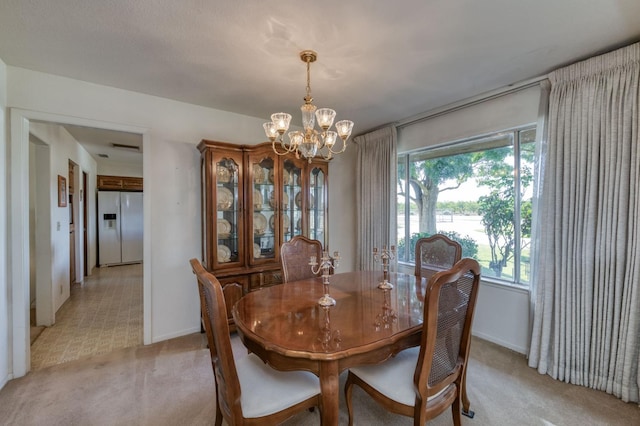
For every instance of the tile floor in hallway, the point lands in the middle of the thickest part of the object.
(102, 314)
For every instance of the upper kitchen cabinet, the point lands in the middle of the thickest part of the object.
(119, 183)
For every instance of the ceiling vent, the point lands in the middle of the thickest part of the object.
(124, 146)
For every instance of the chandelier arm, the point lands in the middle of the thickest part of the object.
(344, 147)
(290, 147)
(275, 149)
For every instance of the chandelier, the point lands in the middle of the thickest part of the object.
(308, 142)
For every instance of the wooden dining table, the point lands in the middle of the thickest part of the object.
(286, 328)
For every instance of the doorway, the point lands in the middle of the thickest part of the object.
(104, 311)
(40, 296)
(19, 230)
(85, 241)
(72, 225)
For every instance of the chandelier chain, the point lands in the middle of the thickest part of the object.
(308, 99)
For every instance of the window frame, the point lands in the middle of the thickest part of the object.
(466, 145)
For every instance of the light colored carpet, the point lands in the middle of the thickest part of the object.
(171, 383)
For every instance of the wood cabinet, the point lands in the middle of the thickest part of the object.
(253, 201)
(119, 183)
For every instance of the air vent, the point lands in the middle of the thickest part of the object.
(103, 156)
(123, 146)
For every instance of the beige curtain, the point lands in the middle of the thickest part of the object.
(376, 193)
(586, 327)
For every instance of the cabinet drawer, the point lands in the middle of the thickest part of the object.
(265, 279)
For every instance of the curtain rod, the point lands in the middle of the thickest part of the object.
(515, 87)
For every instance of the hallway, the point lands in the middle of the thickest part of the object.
(103, 314)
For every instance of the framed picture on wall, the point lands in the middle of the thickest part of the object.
(62, 191)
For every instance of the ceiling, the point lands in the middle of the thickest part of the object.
(378, 61)
(109, 145)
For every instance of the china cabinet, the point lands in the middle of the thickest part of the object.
(253, 201)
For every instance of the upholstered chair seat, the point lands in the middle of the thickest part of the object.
(394, 378)
(266, 391)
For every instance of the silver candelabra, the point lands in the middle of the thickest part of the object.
(326, 264)
(384, 256)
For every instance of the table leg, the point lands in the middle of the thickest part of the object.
(330, 389)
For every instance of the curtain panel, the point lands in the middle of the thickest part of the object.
(586, 322)
(376, 193)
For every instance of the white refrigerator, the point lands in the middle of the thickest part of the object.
(120, 227)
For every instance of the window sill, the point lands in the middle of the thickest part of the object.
(409, 268)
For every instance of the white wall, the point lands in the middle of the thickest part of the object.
(120, 169)
(499, 113)
(502, 316)
(502, 312)
(5, 305)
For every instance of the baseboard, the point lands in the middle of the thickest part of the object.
(162, 338)
(502, 343)
(5, 380)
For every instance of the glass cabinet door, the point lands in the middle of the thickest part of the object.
(316, 204)
(263, 198)
(292, 199)
(253, 201)
(228, 226)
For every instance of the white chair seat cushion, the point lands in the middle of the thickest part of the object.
(238, 348)
(394, 377)
(266, 390)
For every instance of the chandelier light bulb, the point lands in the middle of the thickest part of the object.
(281, 121)
(330, 138)
(296, 138)
(270, 130)
(325, 117)
(344, 128)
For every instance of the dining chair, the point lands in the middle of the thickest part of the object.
(294, 258)
(436, 253)
(197, 268)
(249, 392)
(424, 381)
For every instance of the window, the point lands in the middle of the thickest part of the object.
(479, 193)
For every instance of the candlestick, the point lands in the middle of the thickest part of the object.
(326, 264)
(384, 256)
